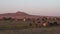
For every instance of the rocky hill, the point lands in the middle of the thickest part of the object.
(19, 15)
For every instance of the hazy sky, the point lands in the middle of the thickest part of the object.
(36, 7)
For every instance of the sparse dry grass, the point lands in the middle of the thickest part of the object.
(21, 27)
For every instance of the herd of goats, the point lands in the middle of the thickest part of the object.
(42, 21)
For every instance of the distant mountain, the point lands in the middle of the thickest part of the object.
(19, 15)
(14, 15)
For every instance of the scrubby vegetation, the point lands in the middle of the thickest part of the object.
(9, 23)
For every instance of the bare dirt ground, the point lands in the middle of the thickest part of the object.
(53, 30)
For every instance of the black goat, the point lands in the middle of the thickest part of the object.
(53, 24)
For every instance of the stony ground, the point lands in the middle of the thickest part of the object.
(54, 30)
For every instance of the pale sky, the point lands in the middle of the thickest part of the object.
(35, 7)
